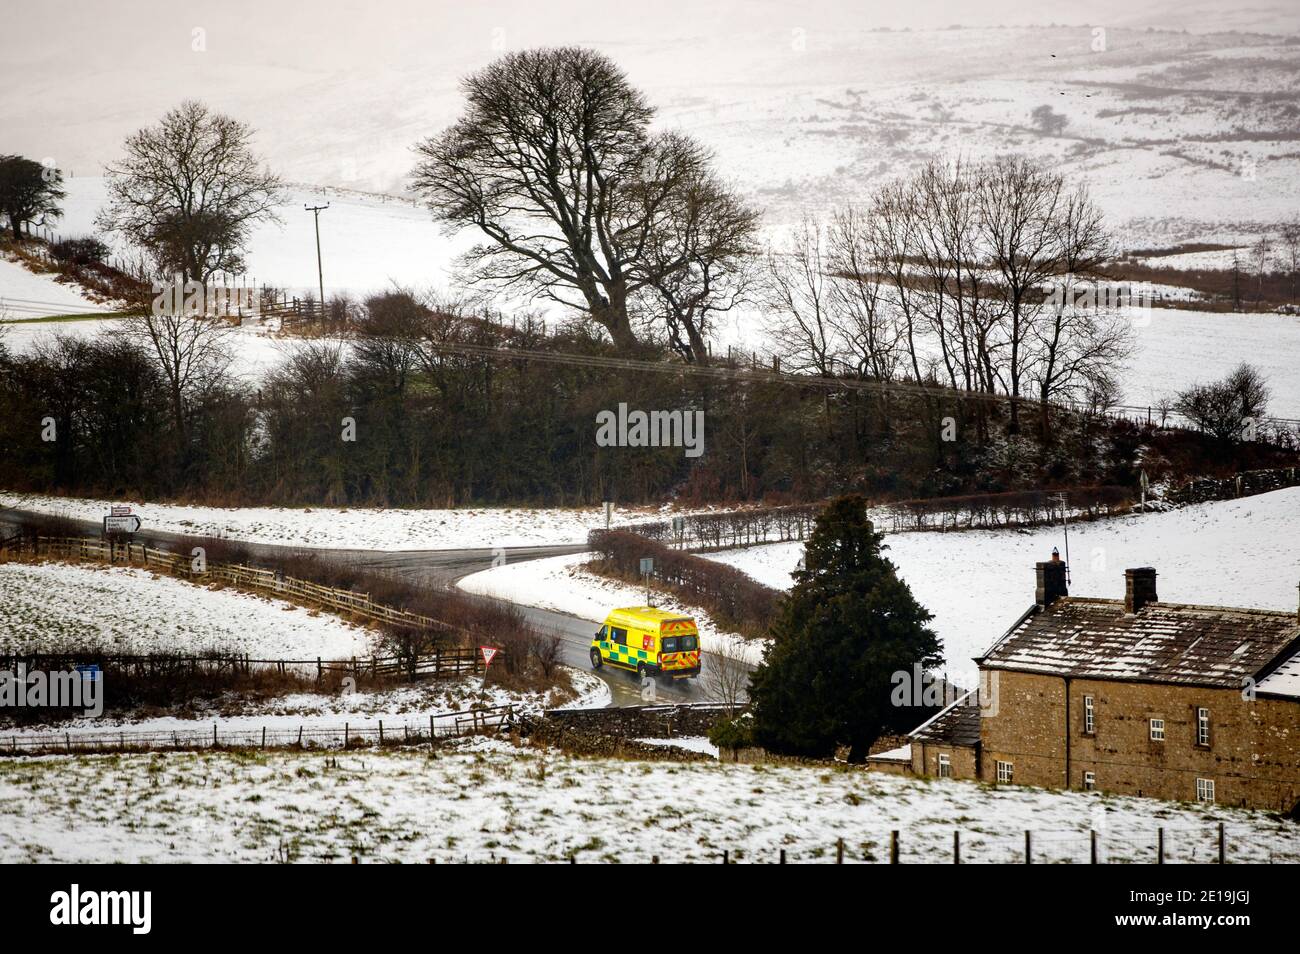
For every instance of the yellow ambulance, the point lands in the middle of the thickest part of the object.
(648, 641)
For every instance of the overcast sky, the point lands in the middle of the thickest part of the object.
(77, 76)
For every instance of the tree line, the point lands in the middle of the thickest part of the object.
(390, 417)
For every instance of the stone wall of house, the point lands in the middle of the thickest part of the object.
(1253, 756)
(964, 759)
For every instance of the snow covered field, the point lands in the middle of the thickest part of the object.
(52, 606)
(353, 528)
(25, 294)
(977, 583)
(562, 585)
(407, 706)
(486, 801)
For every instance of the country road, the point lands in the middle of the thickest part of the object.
(440, 568)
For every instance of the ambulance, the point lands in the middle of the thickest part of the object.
(648, 641)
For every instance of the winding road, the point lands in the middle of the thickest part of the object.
(439, 568)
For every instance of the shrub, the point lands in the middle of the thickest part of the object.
(79, 251)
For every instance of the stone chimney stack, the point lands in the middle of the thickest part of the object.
(1051, 584)
(1139, 588)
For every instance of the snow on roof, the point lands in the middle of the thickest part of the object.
(901, 754)
(1163, 642)
(1284, 680)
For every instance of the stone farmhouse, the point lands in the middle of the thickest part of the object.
(1132, 696)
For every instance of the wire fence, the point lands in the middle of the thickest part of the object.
(344, 735)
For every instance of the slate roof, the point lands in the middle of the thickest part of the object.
(958, 724)
(1162, 642)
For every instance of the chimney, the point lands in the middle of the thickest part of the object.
(1139, 588)
(1051, 581)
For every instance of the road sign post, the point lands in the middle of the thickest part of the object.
(647, 567)
(489, 653)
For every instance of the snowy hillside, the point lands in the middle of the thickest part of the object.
(54, 606)
(25, 294)
(977, 583)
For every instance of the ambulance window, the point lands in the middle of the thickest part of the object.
(668, 644)
(620, 635)
(689, 644)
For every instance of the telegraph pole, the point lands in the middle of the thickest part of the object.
(316, 210)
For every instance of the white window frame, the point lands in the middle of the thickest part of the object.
(1089, 781)
(1202, 726)
(1157, 729)
(1006, 772)
(945, 765)
(1205, 790)
(1089, 716)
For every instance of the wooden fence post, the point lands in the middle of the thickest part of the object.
(839, 851)
(345, 735)
(1222, 846)
(1092, 838)
(1029, 850)
(1160, 845)
(956, 847)
(893, 847)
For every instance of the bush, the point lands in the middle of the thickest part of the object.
(79, 251)
(737, 733)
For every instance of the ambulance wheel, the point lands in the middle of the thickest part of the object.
(595, 659)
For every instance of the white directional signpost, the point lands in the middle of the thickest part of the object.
(647, 567)
(120, 524)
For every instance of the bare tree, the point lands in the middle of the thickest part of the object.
(1020, 206)
(189, 191)
(726, 676)
(1076, 345)
(553, 162)
(192, 354)
(1290, 252)
(798, 290)
(1261, 256)
(700, 253)
(870, 335)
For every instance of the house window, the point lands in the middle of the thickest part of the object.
(1089, 781)
(1205, 790)
(1004, 772)
(945, 766)
(1089, 716)
(1202, 726)
(1157, 730)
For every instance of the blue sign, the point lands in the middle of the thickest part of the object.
(90, 673)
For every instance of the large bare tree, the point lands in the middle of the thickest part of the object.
(188, 191)
(554, 163)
